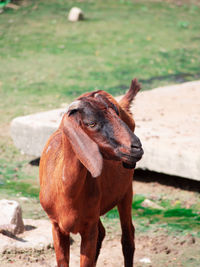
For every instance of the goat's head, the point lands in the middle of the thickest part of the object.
(95, 130)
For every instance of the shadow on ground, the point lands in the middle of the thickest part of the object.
(164, 179)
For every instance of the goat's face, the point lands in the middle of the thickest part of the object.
(99, 119)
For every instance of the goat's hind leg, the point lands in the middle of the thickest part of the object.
(61, 246)
(101, 235)
(128, 230)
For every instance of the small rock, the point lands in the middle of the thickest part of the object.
(191, 240)
(25, 199)
(150, 204)
(75, 14)
(11, 217)
(145, 260)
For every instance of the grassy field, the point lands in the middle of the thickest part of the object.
(46, 61)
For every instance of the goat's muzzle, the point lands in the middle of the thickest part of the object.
(132, 154)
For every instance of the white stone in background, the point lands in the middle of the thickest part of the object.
(31, 132)
(168, 124)
(11, 217)
(75, 14)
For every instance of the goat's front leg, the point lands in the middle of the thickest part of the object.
(128, 230)
(88, 245)
(101, 235)
(61, 246)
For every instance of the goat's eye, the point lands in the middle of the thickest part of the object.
(91, 124)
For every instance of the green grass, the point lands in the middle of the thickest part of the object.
(46, 60)
(14, 181)
(173, 218)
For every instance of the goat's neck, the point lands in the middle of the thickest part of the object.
(73, 172)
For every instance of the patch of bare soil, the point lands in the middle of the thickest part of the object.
(155, 247)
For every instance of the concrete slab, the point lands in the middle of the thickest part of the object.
(167, 122)
(31, 132)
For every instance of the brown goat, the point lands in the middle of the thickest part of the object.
(95, 139)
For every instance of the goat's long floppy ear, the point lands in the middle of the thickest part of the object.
(84, 147)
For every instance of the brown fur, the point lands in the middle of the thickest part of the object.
(72, 198)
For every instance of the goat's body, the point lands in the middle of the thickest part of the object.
(104, 193)
(73, 156)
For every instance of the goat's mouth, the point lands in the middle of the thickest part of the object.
(129, 166)
(129, 163)
(129, 160)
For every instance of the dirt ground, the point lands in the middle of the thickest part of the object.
(151, 250)
(155, 247)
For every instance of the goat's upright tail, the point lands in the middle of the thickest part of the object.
(126, 100)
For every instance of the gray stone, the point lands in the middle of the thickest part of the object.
(11, 217)
(167, 122)
(36, 237)
(75, 14)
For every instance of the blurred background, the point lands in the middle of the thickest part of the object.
(46, 61)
